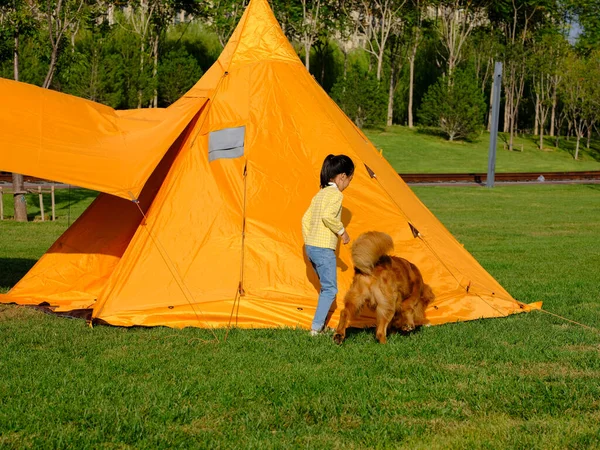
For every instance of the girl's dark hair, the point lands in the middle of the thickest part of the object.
(333, 166)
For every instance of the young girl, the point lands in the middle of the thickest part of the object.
(321, 227)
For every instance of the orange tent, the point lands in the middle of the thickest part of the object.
(198, 220)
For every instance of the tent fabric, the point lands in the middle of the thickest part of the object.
(218, 242)
(68, 139)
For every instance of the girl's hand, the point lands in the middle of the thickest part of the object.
(345, 238)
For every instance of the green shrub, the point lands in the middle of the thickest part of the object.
(361, 97)
(456, 106)
(178, 71)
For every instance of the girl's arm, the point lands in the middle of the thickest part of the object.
(331, 210)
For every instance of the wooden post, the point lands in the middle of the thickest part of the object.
(1, 204)
(41, 202)
(53, 203)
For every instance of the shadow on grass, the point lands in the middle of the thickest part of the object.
(593, 187)
(439, 133)
(371, 331)
(432, 131)
(13, 269)
(551, 143)
(66, 198)
(68, 202)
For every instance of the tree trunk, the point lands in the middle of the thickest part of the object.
(20, 204)
(537, 115)
(390, 111)
(307, 54)
(16, 57)
(323, 53)
(51, 68)
(489, 124)
(577, 147)
(379, 65)
(155, 72)
(140, 93)
(553, 115)
(589, 136)
(507, 107)
(542, 137)
(512, 132)
(411, 86)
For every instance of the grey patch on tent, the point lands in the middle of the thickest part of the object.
(226, 143)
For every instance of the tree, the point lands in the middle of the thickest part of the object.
(517, 19)
(456, 20)
(547, 56)
(222, 17)
(575, 95)
(361, 97)
(164, 12)
(456, 106)
(397, 54)
(415, 23)
(484, 50)
(376, 19)
(312, 25)
(16, 20)
(60, 16)
(178, 72)
(587, 13)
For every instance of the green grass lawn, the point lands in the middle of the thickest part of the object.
(528, 381)
(413, 151)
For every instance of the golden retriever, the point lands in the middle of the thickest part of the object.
(391, 286)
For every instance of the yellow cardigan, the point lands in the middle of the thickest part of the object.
(321, 223)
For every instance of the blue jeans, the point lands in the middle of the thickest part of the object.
(323, 261)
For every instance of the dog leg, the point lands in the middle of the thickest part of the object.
(346, 317)
(408, 320)
(353, 302)
(384, 314)
(384, 317)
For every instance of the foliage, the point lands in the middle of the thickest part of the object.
(361, 97)
(587, 15)
(125, 64)
(178, 72)
(455, 105)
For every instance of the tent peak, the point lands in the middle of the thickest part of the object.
(257, 37)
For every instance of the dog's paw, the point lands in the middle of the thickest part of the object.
(406, 328)
(338, 338)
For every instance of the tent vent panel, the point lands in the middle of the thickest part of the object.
(226, 143)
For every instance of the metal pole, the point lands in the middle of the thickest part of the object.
(494, 127)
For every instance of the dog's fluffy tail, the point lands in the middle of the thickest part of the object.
(368, 248)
